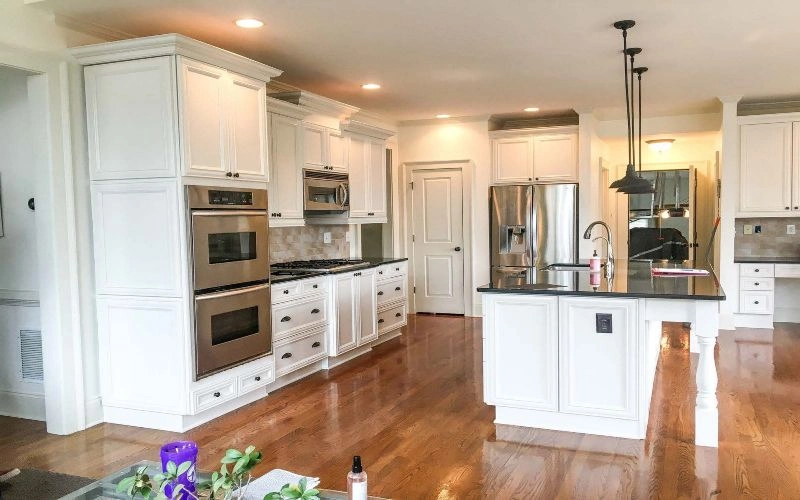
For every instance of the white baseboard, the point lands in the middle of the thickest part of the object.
(602, 426)
(21, 405)
(94, 411)
(753, 321)
(296, 375)
(727, 321)
(477, 309)
(787, 315)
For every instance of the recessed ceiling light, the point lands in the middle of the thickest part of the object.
(370, 86)
(660, 145)
(442, 116)
(249, 23)
(531, 110)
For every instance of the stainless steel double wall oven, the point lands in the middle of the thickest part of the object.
(230, 276)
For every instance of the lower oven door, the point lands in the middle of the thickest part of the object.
(231, 327)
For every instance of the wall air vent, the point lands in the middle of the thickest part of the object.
(30, 351)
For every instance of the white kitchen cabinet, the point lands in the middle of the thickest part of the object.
(223, 122)
(355, 309)
(549, 155)
(368, 307)
(767, 170)
(522, 362)
(286, 165)
(367, 168)
(609, 388)
(324, 148)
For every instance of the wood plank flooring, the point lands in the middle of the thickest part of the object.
(413, 409)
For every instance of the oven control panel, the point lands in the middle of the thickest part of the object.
(219, 197)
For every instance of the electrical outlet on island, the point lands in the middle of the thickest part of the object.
(326, 237)
(790, 229)
(747, 229)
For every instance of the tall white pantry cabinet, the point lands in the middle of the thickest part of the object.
(164, 112)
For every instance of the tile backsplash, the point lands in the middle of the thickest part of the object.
(771, 242)
(304, 243)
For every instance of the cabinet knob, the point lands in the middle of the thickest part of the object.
(755, 302)
(285, 319)
(316, 344)
(396, 268)
(280, 214)
(537, 178)
(756, 270)
(229, 174)
(457, 249)
(315, 311)
(286, 292)
(397, 289)
(381, 321)
(397, 315)
(530, 178)
(258, 379)
(217, 394)
(756, 283)
(370, 213)
(286, 356)
(236, 174)
(380, 272)
(787, 208)
(380, 293)
(797, 208)
(315, 286)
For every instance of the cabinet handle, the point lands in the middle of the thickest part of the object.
(396, 268)
(755, 302)
(315, 286)
(380, 272)
(380, 321)
(286, 292)
(285, 319)
(787, 208)
(397, 315)
(316, 344)
(287, 355)
(756, 283)
(530, 178)
(315, 311)
(537, 178)
(280, 214)
(397, 289)
(796, 208)
(236, 174)
(217, 394)
(756, 270)
(258, 379)
(380, 293)
(229, 174)
(370, 213)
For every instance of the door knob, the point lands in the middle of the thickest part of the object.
(457, 249)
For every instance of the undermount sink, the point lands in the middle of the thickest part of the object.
(567, 267)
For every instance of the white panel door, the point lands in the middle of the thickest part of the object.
(522, 351)
(347, 312)
(512, 160)
(359, 176)
(438, 241)
(314, 147)
(248, 128)
(203, 118)
(131, 117)
(286, 163)
(765, 183)
(368, 307)
(337, 150)
(598, 374)
(555, 157)
(377, 178)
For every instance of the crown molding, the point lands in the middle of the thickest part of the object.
(317, 103)
(172, 44)
(288, 109)
(512, 132)
(368, 129)
(275, 87)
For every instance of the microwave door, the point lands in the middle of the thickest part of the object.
(325, 195)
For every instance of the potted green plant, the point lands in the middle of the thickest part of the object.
(229, 483)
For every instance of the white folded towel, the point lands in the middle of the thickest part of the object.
(274, 480)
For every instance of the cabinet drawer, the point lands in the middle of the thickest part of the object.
(392, 319)
(787, 270)
(391, 270)
(256, 379)
(286, 291)
(301, 352)
(751, 302)
(757, 270)
(757, 284)
(315, 285)
(391, 290)
(297, 315)
(214, 395)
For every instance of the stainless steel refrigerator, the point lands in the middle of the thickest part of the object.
(531, 226)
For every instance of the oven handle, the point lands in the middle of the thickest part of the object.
(229, 293)
(218, 213)
(341, 189)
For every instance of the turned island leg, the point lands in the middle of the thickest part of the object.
(706, 413)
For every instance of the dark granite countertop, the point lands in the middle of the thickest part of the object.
(631, 279)
(767, 260)
(373, 262)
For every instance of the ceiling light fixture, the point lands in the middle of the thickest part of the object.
(632, 183)
(531, 110)
(660, 145)
(441, 117)
(249, 23)
(370, 86)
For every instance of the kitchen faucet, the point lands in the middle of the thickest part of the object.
(609, 245)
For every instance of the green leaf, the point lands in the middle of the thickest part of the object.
(311, 493)
(145, 492)
(234, 454)
(184, 467)
(176, 491)
(125, 484)
(240, 464)
(250, 449)
(274, 495)
(172, 468)
(302, 484)
(226, 460)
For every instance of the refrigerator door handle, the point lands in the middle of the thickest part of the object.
(533, 236)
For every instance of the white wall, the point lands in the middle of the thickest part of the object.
(458, 140)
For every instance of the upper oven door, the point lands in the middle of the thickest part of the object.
(326, 195)
(229, 247)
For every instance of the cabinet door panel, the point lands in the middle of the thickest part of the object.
(359, 176)
(598, 374)
(765, 169)
(248, 127)
(337, 150)
(314, 147)
(367, 294)
(347, 310)
(130, 111)
(377, 178)
(285, 187)
(796, 168)
(555, 157)
(203, 123)
(522, 345)
(513, 160)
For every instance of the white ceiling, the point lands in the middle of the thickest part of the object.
(478, 57)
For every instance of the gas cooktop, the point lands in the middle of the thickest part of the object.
(320, 266)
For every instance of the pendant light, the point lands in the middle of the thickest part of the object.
(631, 183)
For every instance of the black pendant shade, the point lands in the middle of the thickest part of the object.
(632, 183)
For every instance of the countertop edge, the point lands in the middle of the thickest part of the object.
(766, 260)
(575, 293)
(371, 265)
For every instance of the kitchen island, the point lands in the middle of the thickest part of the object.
(568, 351)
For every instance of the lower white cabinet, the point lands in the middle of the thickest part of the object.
(522, 363)
(297, 352)
(355, 302)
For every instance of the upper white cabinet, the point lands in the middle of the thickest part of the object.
(769, 180)
(286, 166)
(549, 155)
(367, 158)
(224, 124)
(324, 148)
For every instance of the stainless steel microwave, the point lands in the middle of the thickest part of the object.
(325, 193)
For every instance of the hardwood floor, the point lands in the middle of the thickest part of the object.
(413, 409)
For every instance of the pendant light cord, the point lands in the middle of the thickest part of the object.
(633, 116)
(627, 101)
(639, 73)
